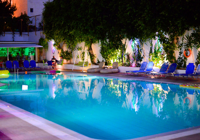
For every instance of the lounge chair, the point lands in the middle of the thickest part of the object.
(9, 65)
(162, 69)
(189, 70)
(142, 68)
(148, 69)
(16, 65)
(33, 64)
(93, 70)
(114, 69)
(26, 64)
(197, 72)
(49, 64)
(171, 70)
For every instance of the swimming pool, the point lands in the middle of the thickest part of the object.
(104, 108)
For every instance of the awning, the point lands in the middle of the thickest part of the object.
(18, 45)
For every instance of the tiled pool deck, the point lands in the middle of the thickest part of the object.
(17, 124)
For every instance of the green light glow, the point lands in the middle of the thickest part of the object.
(14, 51)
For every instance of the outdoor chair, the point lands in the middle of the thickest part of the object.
(26, 64)
(16, 65)
(49, 64)
(9, 65)
(114, 69)
(189, 70)
(149, 68)
(33, 64)
(171, 70)
(93, 70)
(142, 68)
(163, 69)
(197, 72)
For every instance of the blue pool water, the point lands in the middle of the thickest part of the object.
(104, 108)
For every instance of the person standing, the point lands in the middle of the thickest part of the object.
(18, 57)
(54, 60)
(10, 57)
(23, 58)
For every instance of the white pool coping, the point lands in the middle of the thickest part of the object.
(48, 126)
(67, 134)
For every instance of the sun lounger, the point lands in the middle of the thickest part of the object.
(163, 69)
(171, 70)
(197, 72)
(95, 70)
(142, 68)
(189, 70)
(113, 70)
(148, 69)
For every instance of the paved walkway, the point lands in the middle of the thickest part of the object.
(13, 128)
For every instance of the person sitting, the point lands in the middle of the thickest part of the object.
(54, 60)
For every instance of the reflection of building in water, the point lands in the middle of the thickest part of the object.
(52, 88)
(135, 104)
(193, 102)
(83, 87)
(96, 94)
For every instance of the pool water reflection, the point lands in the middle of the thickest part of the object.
(105, 108)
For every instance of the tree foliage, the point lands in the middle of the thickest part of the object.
(111, 21)
(43, 42)
(6, 13)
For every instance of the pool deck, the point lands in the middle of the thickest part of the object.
(17, 124)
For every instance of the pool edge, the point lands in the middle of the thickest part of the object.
(45, 125)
